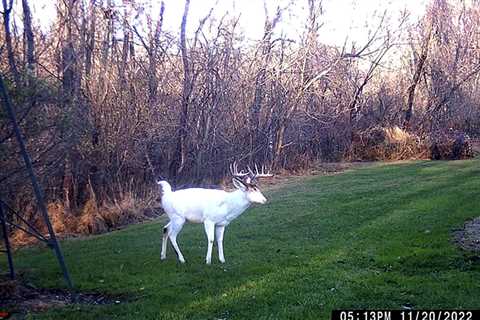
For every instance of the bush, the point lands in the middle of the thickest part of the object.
(391, 143)
(450, 146)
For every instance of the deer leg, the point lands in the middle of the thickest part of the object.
(173, 230)
(219, 230)
(163, 254)
(210, 231)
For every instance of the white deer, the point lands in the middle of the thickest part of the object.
(214, 208)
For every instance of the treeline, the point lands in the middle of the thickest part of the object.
(108, 100)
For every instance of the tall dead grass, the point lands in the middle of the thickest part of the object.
(93, 218)
(388, 144)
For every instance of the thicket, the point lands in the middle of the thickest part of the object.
(108, 101)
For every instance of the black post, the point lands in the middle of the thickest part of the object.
(36, 188)
(7, 242)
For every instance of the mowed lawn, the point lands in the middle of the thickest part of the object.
(377, 237)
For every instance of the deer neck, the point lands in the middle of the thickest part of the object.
(237, 203)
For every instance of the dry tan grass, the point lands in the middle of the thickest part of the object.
(56, 212)
(91, 222)
(396, 135)
(388, 144)
(92, 218)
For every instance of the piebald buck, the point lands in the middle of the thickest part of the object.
(214, 208)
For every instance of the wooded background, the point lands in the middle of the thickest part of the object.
(106, 108)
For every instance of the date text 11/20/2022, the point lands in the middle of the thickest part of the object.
(405, 315)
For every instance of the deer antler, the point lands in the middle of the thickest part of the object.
(234, 171)
(259, 174)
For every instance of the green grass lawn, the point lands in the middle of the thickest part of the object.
(377, 237)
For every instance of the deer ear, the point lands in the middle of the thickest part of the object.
(238, 183)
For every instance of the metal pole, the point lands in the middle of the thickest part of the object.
(36, 188)
(7, 242)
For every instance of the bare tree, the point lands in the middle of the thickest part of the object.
(181, 150)
(419, 61)
(119, 103)
(7, 9)
(29, 39)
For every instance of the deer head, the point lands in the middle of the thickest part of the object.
(247, 182)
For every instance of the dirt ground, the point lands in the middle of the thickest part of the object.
(476, 146)
(17, 298)
(468, 238)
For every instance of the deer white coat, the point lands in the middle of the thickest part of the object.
(214, 208)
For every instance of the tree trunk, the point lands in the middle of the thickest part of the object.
(90, 41)
(152, 59)
(29, 40)
(416, 78)
(71, 108)
(7, 9)
(181, 148)
(260, 82)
